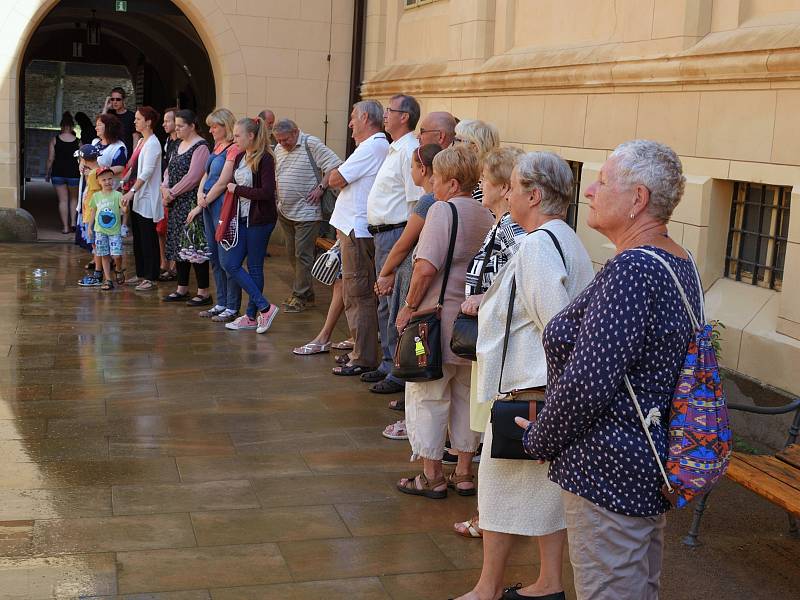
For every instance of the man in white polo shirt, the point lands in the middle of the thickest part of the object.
(303, 163)
(355, 178)
(390, 202)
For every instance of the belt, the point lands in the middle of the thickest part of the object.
(373, 229)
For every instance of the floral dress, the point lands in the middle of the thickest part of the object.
(180, 207)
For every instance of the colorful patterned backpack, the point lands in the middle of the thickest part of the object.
(700, 439)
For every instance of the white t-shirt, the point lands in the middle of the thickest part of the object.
(243, 176)
(359, 170)
(394, 194)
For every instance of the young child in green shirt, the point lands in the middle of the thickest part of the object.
(105, 213)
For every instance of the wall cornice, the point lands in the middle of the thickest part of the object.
(432, 79)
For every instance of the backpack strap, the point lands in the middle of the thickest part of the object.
(695, 322)
(652, 415)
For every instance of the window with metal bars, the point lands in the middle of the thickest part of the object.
(759, 227)
(572, 211)
(413, 3)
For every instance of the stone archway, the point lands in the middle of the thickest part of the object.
(21, 20)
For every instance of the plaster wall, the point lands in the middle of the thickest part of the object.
(719, 81)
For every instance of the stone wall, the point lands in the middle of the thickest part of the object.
(85, 93)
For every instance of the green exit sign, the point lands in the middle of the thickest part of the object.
(121, 5)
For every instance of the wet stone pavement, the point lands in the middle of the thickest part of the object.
(148, 453)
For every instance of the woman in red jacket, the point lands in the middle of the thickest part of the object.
(253, 189)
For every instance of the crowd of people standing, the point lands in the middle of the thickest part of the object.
(434, 214)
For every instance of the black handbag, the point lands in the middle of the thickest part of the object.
(465, 328)
(526, 402)
(418, 356)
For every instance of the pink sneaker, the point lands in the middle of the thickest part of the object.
(265, 318)
(243, 322)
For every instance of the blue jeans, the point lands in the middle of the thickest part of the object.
(384, 241)
(252, 244)
(229, 294)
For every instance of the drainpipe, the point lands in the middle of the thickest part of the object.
(356, 60)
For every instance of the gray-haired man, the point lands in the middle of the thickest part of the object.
(303, 166)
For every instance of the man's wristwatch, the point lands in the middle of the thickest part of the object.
(320, 186)
(409, 306)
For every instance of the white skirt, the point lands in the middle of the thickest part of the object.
(516, 496)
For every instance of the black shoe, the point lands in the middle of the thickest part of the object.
(386, 386)
(199, 301)
(511, 593)
(451, 458)
(373, 376)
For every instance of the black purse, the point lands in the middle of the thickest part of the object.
(526, 402)
(465, 328)
(418, 356)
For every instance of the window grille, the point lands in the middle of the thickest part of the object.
(759, 227)
(414, 3)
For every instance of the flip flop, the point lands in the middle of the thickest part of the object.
(312, 348)
(349, 370)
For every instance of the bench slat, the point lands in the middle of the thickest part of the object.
(324, 244)
(761, 479)
(773, 467)
(790, 455)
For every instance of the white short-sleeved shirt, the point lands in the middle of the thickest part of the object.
(359, 170)
(394, 194)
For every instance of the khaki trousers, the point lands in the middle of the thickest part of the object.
(360, 303)
(614, 557)
(299, 238)
(434, 407)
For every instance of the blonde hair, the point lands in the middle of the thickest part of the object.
(224, 117)
(499, 163)
(261, 131)
(484, 135)
(460, 163)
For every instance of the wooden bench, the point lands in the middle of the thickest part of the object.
(775, 478)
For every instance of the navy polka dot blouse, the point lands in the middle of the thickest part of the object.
(630, 319)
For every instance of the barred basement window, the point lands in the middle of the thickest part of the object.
(572, 211)
(413, 3)
(758, 230)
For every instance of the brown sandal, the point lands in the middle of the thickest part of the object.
(454, 479)
(428, 488)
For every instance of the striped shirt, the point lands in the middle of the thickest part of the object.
(506, 242)
(296, 178)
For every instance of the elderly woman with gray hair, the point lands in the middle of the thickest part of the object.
(548, 271)
(629, 327)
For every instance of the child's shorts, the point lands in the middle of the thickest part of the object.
(105, 244)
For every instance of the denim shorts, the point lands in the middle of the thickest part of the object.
(105, 245)
(68, 181)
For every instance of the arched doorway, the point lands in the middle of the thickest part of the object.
(81, 49)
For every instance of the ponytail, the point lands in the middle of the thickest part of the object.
(261, 132)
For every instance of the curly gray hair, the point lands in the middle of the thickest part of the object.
(655, 166)
(552, 176)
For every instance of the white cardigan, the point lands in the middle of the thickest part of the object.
(544, 288)
(147, 200)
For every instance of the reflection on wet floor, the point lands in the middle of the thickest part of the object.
(148, 453)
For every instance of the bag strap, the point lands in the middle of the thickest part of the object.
(451, 248)
(653, 415)
(510, 311)
(696, 323)
(487, 254)
(314, 166)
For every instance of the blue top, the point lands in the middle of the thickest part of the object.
(423, 205)
(214, 166)
(629, 320)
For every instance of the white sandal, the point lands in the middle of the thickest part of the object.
(312, 348)
(396, 431)
(470, 530)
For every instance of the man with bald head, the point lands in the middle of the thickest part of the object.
(268, 117)
(437, 128)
